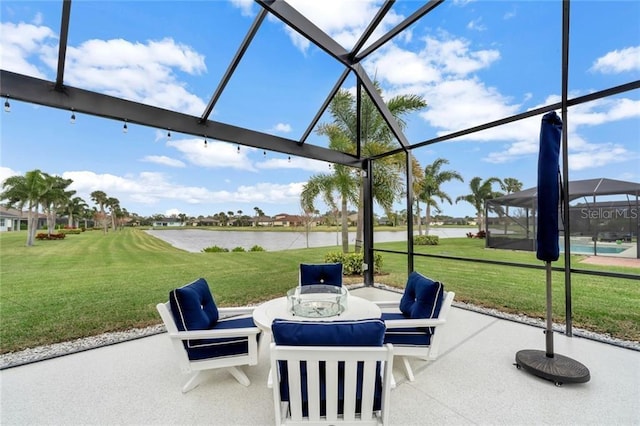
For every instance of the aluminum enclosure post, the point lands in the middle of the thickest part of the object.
(367, 228)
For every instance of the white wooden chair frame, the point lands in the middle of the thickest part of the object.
(290, 413)
(230, 363)
(426, 353)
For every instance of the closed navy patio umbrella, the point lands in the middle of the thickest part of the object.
(546, 364)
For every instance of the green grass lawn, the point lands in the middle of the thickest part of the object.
(92, 283)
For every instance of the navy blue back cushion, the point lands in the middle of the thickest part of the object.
(368, 332)
(193, 307)
(323, 273)
(422, 297)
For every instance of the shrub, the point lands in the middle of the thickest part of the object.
(352, 262)
(43, 236)
(480, 234)
(67, 231)
(426, 240)
(256, 248)
(238, 249)
(215, 249)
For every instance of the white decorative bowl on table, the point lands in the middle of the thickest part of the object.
(317, 301)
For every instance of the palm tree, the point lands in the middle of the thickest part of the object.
(75, 209)
(481, 191)
(510, 185)
(418, 176)
(342, 182)
(100, 198)
(430, 187)
(375, 138)
(27, 190)
(56, 197)
(114, 207)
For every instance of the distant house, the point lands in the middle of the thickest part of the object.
(168, 221)
(288, 220)
(263, 221)
(10, 219)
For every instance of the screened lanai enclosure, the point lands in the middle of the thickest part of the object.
(603, 214)
(365, 61)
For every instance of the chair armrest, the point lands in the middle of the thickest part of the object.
(388, 304)
(215, 334)
(235, 311)
(414, 322)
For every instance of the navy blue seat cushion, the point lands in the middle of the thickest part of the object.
(193, 308)
(407, 336)
(368, 332)
(323, 273)
(214, 348)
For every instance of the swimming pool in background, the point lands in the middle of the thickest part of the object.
(582, 248)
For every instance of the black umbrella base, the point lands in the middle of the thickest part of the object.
(558, 369)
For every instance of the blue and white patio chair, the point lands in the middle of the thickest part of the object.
(415, 324)
(207, 337)
(331, 372)
(321, 273)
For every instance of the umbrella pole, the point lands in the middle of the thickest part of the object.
(549, 331)
(545, 364)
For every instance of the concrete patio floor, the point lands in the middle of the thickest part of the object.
(473, 381)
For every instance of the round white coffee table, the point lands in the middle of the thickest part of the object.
(357, 308)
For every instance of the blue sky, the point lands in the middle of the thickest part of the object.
(472, 61)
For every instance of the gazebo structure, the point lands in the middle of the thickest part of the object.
(512, 218)
(57, 93)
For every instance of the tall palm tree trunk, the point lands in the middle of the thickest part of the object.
(345, 226)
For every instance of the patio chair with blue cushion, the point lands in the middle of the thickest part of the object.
(331, 372)
(415, 325)
(321, 273)
(207, 337)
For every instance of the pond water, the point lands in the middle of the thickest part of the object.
(194, 240)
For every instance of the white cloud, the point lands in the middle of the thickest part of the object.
(20, 43)
(172, 212)
(443, 72)
(598, 155)
(269, 193)
(344, 21)
(246, 6)
(582, 153)
(415, 67)
(458, 104)
(215, 155)
(476, 25)
(154, 188)
(294, 163)
(141, 72)
(618, 61)
(281, 128)
(164, 160)
(6, 172)
(144, 188)
(455, 56)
